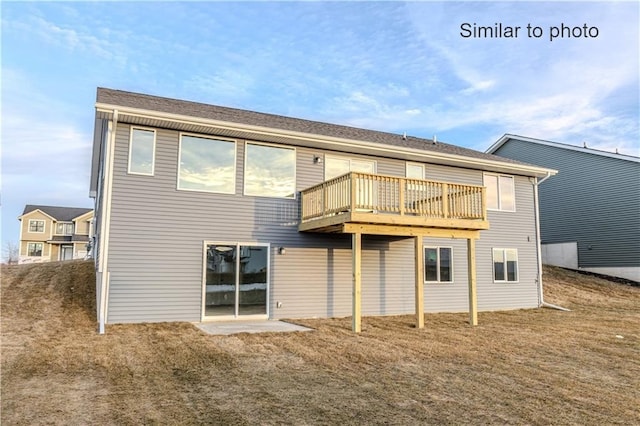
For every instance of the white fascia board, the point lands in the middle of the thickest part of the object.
(37, 211)
(82, 215)
(493, 148)
(452, 159)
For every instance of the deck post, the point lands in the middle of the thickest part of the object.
(356, 246)
(473, 303)
(419, 264)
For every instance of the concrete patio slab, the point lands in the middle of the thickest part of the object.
(234, 327)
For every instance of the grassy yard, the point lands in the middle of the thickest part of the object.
(538, 366)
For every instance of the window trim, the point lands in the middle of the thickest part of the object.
(498, 176)
(411, 163)
(493, 265)
(235, 162)
(64, 223)
(437, 248)
(346, 157)
(44, 225)
(153, 154)
(295, 170)
(35, 244)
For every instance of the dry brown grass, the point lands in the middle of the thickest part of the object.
(537, 366)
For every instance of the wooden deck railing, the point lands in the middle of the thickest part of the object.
(393, 195)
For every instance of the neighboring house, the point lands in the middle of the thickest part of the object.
(206, 212)
(49, 233)
(590, 211)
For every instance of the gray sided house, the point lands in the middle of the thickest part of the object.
(590, 211)
(207, 213)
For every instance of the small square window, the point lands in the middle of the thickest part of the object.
(34, 249)
(500, 192)
(36, 226)
(505, 265)
(438, 264)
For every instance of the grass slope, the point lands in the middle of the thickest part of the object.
(538, 366)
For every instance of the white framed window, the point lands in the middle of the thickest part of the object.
(337, 166)
(415, 171)
(36, 225)
(34, 249)
(142, 151)
(438, 264)
(500, 192)
(505, 265)
(206, 164)
(64, 228)
(269, 171)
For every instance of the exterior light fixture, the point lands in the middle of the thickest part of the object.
(317, 159)
(281, 250)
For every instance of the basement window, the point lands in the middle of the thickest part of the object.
(142, 148)
(505, 265)
(438, 264)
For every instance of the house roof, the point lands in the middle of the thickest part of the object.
(61, 214)
(142, 109)
(504, 139)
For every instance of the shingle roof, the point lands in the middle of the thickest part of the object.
(61, 214)
(233, 115)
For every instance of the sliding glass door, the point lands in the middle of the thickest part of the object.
(236, 279)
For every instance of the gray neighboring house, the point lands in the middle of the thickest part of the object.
(208, 213)
(590, 211)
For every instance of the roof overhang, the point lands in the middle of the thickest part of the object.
(36, 211)
(493, 148)
(143, 117)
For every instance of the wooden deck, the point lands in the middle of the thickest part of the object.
(348, 202)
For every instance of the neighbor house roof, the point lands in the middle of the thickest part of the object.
(504, 139)
(61, 214)
(142, 109)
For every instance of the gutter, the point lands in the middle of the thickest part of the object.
(377, 147)
(541, 302)
(106, 223)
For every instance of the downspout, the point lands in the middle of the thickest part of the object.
(541, 302)
(106, 221)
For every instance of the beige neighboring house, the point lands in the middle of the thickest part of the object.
(50, 233)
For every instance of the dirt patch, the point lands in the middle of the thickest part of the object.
(537, 366)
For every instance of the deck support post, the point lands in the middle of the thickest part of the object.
(419, 267)
(473, 303)
(356, 258)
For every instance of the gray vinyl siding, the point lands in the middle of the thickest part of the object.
(594, 200)
(157, 233)
(510, 230)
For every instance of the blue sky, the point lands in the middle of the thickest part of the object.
(391, 66)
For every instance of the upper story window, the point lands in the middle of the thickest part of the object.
(337, 166)
(64, 228)
(34, 249)
(505, 265)
(270, 171)
(142, 148)
(500, 192)
(415, 171)
(438, 264)
(207, 164)
(36, 225)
